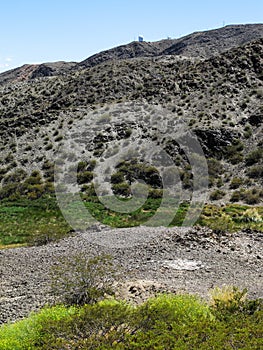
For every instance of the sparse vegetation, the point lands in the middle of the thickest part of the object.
(255, 171)
(77, 280)
(219, 98)
(254, 157)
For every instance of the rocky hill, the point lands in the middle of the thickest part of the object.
(212, 81)
(198, 44)
(32, 71)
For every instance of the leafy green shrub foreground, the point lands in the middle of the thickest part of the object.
(164, 322)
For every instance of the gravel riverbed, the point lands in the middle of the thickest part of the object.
(151, 259)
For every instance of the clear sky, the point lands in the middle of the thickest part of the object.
(34, 31)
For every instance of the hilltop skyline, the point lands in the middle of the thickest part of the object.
(72, 31)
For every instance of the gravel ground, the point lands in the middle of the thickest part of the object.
(192, 260)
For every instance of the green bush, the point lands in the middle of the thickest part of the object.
(99, 326)
(84, 177)
(122, 189)
(117, 178)
(23, 335)
(230, 300)
(132, 170)
(165, 322)
(168, 308)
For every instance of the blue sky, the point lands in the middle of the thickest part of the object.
(34, 31)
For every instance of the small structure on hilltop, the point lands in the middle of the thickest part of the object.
(140, 39)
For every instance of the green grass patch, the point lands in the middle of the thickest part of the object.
(232, 217)
(41, 221)
(26, 220)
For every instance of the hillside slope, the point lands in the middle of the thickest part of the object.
(203, 44)
(219, 98)
(199, 44)
(32, 71)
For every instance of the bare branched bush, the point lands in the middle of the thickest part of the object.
(77, 280)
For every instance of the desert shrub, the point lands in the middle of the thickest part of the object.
(3, 171)
(10, 191)
(251, 196)
(104, 118)
(82, 165)
(15, 177)
(28, 148)
(9, 158)
(235, 197)
(48, 170)
(84, 177)
(88, 191)
(155, 193)
(219, 182)
(121, 189)
(91, 164)
(247, 132)
(235, 158)
(49, 147)
(186, 178)
(49, 187)
(35, 178)
(255, 171)
(236, 182)
(230, 300)
(77, 280)
(58, 138)
(117, 177)
(234, 152)
(35, 191)
(254, 157)
(215, 167)
(217, 194)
